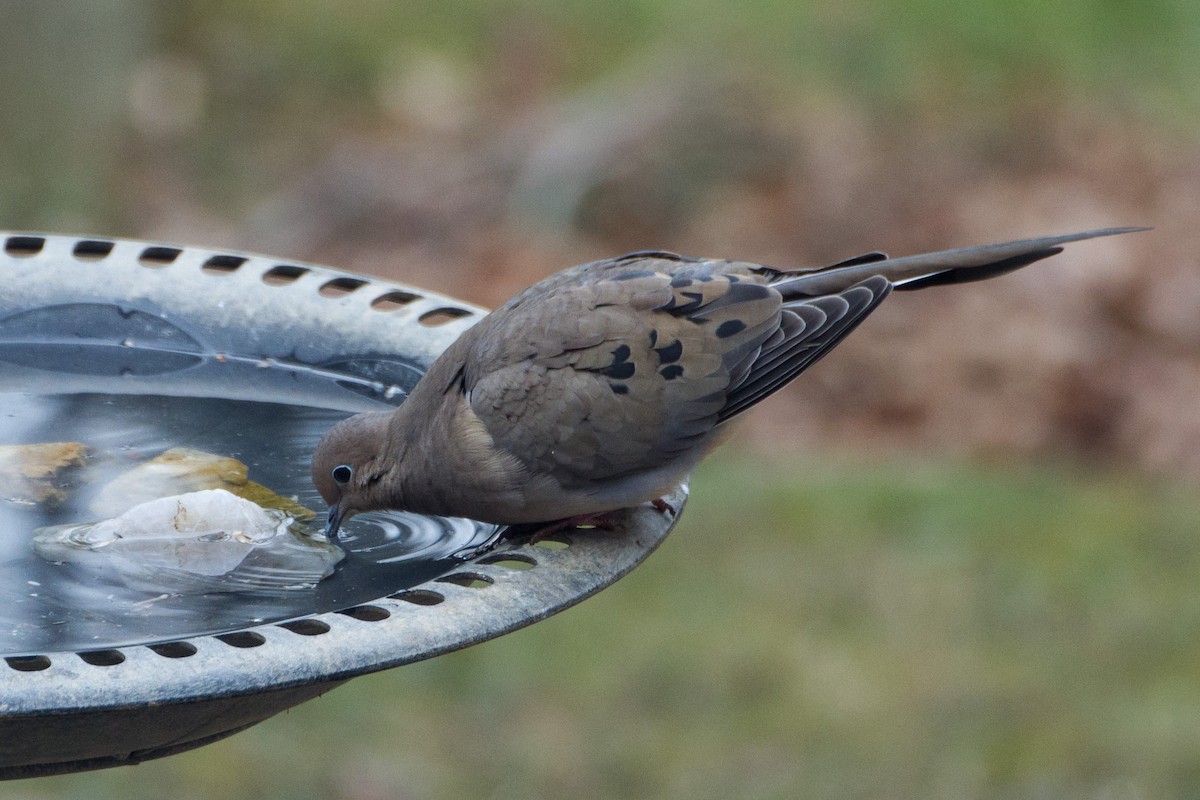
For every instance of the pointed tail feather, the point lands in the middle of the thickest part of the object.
(934, 269)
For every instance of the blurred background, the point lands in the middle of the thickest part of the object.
(956, 559)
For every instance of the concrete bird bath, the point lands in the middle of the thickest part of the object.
(96, 332)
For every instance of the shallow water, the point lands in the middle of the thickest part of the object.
(46, 607)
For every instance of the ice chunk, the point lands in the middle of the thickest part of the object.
(205, 541)
(184, 469)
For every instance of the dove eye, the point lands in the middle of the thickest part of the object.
(342, 474)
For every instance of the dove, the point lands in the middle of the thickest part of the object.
(602, 386)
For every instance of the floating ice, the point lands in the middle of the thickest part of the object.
(183, 469)
(206, 541)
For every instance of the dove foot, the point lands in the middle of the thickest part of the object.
(663, 507)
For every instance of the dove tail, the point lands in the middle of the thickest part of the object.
(962, 265)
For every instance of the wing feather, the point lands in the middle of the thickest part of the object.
(824, 321)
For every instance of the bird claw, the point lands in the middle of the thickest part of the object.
(663, 507)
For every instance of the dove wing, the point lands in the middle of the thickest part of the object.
(634, 362)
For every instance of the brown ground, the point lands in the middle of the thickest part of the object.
(1094, 355)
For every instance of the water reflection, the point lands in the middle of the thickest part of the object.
(46, 607)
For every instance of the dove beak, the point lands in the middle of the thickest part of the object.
(334, 523)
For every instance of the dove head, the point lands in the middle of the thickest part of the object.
(348, 469)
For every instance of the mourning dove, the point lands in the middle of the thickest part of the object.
(602, 386)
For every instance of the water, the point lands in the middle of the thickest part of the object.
(46, 607)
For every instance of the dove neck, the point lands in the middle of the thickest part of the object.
(414, 456)
(443, 461)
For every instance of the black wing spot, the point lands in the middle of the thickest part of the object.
(671, 353)
(621, 368)
(749, 291)
(730, 328)
(695, 300)
(619, 388)
(653, 337)
(671, 372)
(680, 281)
(621, 372)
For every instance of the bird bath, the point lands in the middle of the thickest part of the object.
(131, 349)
